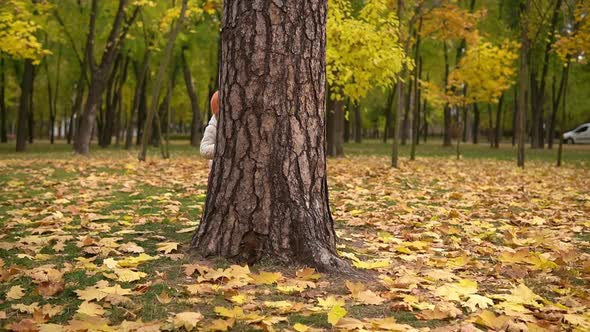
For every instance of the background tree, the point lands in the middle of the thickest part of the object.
(363, 52)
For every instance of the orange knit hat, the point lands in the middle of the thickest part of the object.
(215, 103)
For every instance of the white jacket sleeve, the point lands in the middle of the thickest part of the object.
(208, 142)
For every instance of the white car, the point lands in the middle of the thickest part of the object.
(578, 135)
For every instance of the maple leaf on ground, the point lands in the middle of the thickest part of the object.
(335, 314)
(131, 247)
(266, 278)
(369, 297)
(15, 293)
(89, 323)
(441, 311)
(48, 288)
(27, 308)
(521, 294)
(329, 302)
(90, 309)
(489, 319)
(350, 324)
(308, 274)
(187, 320)
(220, 324)
(135, 261)
(167, 247)
(477, 301)
(25, 325)
(455, 291)
(372, 264)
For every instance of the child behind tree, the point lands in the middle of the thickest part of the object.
(210, 136)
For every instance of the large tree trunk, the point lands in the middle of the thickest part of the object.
(268, 193)
(522, 86)
(24, 108)
(192, 94)
(3, 129)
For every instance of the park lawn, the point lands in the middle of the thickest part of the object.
(578, 154)
(100, 243)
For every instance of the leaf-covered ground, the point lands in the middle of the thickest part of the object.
(99, 245)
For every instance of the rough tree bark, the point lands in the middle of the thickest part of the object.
(268, 194)
(192, 94)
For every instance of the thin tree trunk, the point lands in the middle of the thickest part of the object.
(539, 96)
(24, 106)
(498, 131)
(166, 57)
(347, 122)
(407, 112)
(563, 124)
(388, 114)
(336, 149)
(425, 111)
(514, 116)
(196, 112)
(416, 115)
(358, 126)
(447, 109)
(140, 73)
(523, 71)
(3, 129)
(555, 106)
(476, 121)
(490, 126)
(276, 174)
(31, 125)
